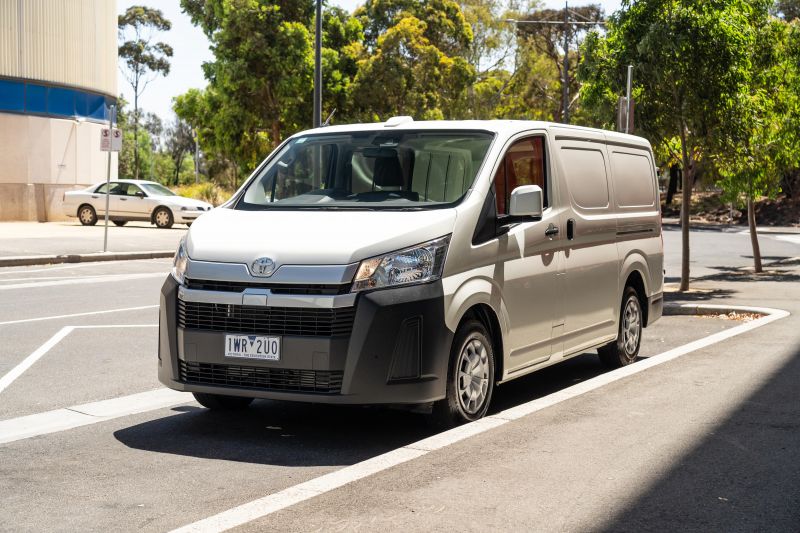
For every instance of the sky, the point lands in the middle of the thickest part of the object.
(190, 50)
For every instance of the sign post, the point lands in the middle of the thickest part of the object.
(110, 141)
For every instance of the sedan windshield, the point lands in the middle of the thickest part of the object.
(156, 189)
(369, 170)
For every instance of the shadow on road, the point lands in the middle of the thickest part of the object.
(289, 434)
(745, 475)
(279, 433)
(737, 274)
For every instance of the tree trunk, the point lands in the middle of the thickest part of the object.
(687, 178)
(686, 200)
(751, 221)
(276, 133)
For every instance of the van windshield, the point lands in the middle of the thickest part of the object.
(369, 170)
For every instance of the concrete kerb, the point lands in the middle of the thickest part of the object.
(82, 258)
(671, 309)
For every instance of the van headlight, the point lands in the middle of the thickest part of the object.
(179, 263)
(418, 264)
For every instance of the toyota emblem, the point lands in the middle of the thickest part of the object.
(263, 267)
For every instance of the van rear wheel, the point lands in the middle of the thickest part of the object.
(470, 378)
(220, 402)
(625, 349)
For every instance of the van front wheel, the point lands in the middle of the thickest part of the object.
(470, 377)
(625, 349)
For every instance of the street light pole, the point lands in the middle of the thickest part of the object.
(318, 68)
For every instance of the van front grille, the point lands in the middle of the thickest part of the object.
(266, 379)
(275, 288)
(300, 321)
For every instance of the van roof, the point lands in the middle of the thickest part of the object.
(506, 127)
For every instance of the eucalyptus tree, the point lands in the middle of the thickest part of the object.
(144, 59)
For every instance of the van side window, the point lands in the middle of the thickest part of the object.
(523, 164)
(634, 183)
(585, 170)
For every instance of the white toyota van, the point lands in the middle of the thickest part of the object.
(416, 263)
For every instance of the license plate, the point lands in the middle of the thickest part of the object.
(253, 347)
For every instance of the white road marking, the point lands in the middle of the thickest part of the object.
(37, 354)
(40, 278)
(91, 413)
(795, 239)
(272, 503)
(88, 313)
(84, 280)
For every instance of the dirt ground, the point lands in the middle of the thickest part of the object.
(709, 207)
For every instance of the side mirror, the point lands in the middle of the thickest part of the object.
(526, 201)
(140, 194)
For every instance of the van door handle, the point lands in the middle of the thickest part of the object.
(124, 199)
(551, 231)
(571, 229)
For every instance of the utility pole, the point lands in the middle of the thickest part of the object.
(196, 158)
(318, 68)
(567, 23)
(628, 99)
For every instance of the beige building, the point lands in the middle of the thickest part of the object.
(58, 78)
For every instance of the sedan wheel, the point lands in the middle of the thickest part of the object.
(163, 218)
(87, 215)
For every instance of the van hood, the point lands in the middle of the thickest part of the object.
(310, 237)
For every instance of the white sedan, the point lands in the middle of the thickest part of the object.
(129, 200)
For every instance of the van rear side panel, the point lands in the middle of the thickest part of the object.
(637, 203)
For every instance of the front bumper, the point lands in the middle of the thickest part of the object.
(182, 217)
(397, 353)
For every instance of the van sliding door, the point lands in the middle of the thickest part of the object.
(590, 253)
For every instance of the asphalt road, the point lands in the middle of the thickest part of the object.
(709, 441)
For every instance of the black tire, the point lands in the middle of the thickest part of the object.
(162, 217)
(120, 223)
(455, 408)
(87, 215)
(625, 349)
(220, 402)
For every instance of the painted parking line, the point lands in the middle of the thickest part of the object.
(272, 503)
(83, 281)
(39, 352)
(90, 413)
(73, 315)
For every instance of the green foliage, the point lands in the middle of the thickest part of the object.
(760, 140)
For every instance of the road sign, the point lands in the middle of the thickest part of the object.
(110, 140)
